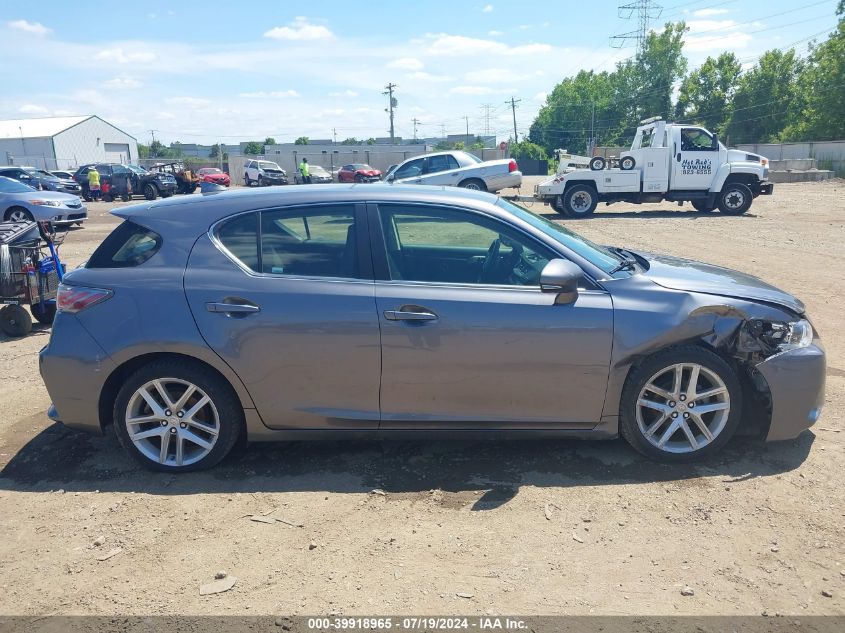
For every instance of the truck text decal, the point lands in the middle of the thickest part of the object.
(696, 166)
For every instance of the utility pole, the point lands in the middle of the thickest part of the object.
(513, 103)
(416, 122)
(153, 136)
(592, 130)
(466, 118)
(443, 131)
(334, 136)
(646, 11)
(392, 104)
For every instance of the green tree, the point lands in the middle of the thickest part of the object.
(442, 146)
(767, 98)
(371, 141)
(270, 141)
(253, 148)
(656, 69)
(527, 149)
(302, 140)
(215, 151)
(350, 141)
(706, 94)
(823, 85)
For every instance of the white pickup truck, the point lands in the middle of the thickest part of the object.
(680, 163)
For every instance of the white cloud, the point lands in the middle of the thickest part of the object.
(443, 44)
(35, 28)
(423, 76)
(406, 63)
(487, 8)
(300, 29)
(495, 33)
(346, 94)
(497, 75)
(31, 108)
(703, 13)
(123, 82)
(119, 56)
(188, 102)
(275, 94)
(541, 96)
(475, 90)
(705, 36)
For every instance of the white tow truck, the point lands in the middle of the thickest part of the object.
(667, 161)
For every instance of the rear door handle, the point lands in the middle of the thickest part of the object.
(401, 315)
(242, 308)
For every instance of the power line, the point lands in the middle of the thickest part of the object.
(646, 11)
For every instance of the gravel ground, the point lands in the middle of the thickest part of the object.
(557, 527)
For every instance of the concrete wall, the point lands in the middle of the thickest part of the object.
(34, 152)
(828, 154)
(289, 155)
(85, 143)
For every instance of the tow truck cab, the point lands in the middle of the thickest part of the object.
(682, 163)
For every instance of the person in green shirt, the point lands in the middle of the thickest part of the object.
(305, 171)
(94, 183)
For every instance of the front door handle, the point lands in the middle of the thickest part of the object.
(679, 157)
(241, 308)
(407, 315)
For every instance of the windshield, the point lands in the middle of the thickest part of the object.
(42, 174)
(358, 166)
(210, 170)
(471, 157)
(7, 185)
(263, 164)
(316, 169)
(138, 170)
(599, 256)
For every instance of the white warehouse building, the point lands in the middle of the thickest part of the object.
(64, 142)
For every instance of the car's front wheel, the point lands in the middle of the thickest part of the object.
(681, 404)
(175, 417)
(150, 191)
(18, 214)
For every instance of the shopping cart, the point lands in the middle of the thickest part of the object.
(30, 272)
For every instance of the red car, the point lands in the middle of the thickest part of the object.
(358, 172)
(212, 174)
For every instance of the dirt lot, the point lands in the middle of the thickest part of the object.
(448, 527)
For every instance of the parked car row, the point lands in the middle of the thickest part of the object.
(40, 179)
(20, 202)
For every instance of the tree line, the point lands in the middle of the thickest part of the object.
(782, 97)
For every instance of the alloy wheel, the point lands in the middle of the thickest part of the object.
(19, 215)
(172, 422)
(683, 407)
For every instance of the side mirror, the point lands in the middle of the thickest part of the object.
(715, 144)
(391, 178)
(560, 276)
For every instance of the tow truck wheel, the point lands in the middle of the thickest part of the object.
(628, 163)
(735, 199)
(597, 163)
(580, 201)
(703, 207)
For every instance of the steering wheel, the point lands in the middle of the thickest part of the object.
(489, 261)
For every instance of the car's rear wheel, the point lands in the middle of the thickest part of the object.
(580, 201)
(473, 184)
(176, 417)
(18, 214)
(247, 181)
(681, 404)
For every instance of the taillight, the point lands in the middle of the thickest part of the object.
(512, 166)
(76, 298)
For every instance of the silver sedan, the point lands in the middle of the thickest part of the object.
(21, 203)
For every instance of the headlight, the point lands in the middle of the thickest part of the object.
(798, 334)
(46, 203)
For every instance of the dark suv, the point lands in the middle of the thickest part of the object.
(146, 183)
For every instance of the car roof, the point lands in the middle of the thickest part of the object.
(205, 209)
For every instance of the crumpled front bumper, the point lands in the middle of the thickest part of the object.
(796, 381)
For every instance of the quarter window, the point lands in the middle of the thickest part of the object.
(444, 162)
(127, 246)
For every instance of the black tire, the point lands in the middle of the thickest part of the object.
(358, 178)
(166, 194)
(557, 204)
(26, 215)
(44, 312)
(15, 321)
(125, 197)
(150, 191)
(597, 163)
(735, 199)
(627, 163)
(642, 373)
(107, 197)
(247, 181)
(702, 206)
(261, 181)
(579, 201)
(222, 396)
(474, 184)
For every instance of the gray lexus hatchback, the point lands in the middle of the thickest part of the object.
(342, 311)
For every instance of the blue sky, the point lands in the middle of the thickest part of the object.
(214, 70)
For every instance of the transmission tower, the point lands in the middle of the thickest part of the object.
(646, 10)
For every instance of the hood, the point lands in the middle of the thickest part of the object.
(46, 195)
(368, 172)
(739, 156)
(691, 276)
